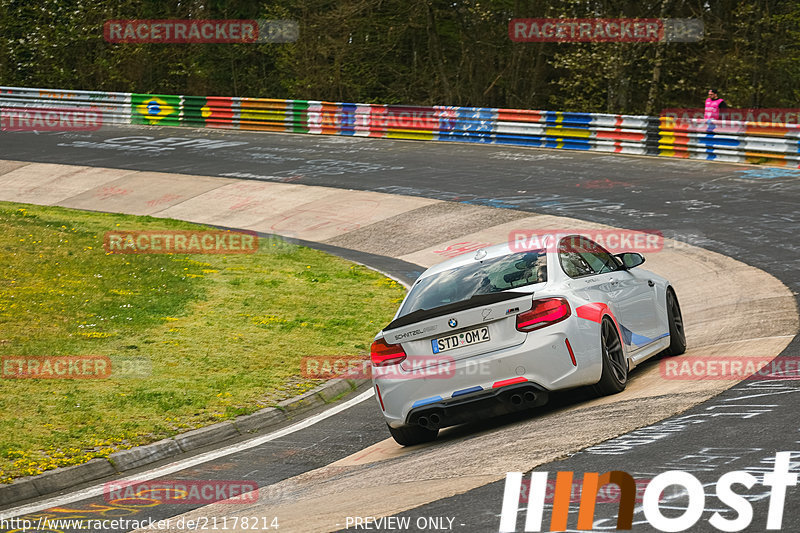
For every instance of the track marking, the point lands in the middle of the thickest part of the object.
(97, 490)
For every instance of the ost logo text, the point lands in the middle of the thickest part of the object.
(651, 501)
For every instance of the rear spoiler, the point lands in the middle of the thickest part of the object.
(475, 301)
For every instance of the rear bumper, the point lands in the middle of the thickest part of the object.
(483, 404)
(543, 360)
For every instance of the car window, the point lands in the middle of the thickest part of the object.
(574, 264)
(485, 277)
(601, 261)
(580, 256)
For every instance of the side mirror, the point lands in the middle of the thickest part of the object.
(631, 259)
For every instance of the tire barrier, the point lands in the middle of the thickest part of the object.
(737, 142)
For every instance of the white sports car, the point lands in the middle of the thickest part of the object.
(494, 331)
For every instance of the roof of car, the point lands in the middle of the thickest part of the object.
(497, 250)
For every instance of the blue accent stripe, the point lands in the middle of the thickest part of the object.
(467, 391)
(435, 346)
(634, 339)
(426, 401)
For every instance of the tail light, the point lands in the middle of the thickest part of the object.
(544, 313)
(384, 354)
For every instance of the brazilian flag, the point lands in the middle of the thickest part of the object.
(164, 110)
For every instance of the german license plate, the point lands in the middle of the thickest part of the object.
(457, 340)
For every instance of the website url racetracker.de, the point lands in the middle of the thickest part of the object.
(202, 523)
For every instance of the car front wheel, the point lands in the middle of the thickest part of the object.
(677, 338)
(615, 367)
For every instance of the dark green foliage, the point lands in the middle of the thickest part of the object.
(424, 52)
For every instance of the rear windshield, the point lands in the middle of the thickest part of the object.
(484, 277)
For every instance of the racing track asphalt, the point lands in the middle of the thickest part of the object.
(745, 212)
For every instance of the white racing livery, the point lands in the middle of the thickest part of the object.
(495, 330)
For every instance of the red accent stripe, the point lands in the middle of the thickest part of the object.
(571, 354)
(511, 381)
(380, 398)
(593, 312)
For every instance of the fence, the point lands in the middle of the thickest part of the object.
(739, 142)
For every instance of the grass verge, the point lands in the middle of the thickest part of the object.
(199, 338)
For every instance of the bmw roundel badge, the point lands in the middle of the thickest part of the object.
(452, 322)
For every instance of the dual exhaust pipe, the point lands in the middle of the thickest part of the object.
(524, 399)
(431, 421)
(435, 417)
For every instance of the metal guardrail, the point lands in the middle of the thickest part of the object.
(730, 141)
(739, 142)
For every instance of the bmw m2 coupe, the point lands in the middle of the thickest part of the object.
(496, 330)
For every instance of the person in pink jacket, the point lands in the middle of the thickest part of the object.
(713, 104)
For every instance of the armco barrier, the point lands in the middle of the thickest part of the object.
(734, 142)
(738, 142)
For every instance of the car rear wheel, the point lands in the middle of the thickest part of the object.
(615, 367)
(677, 338)
(411, 435)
